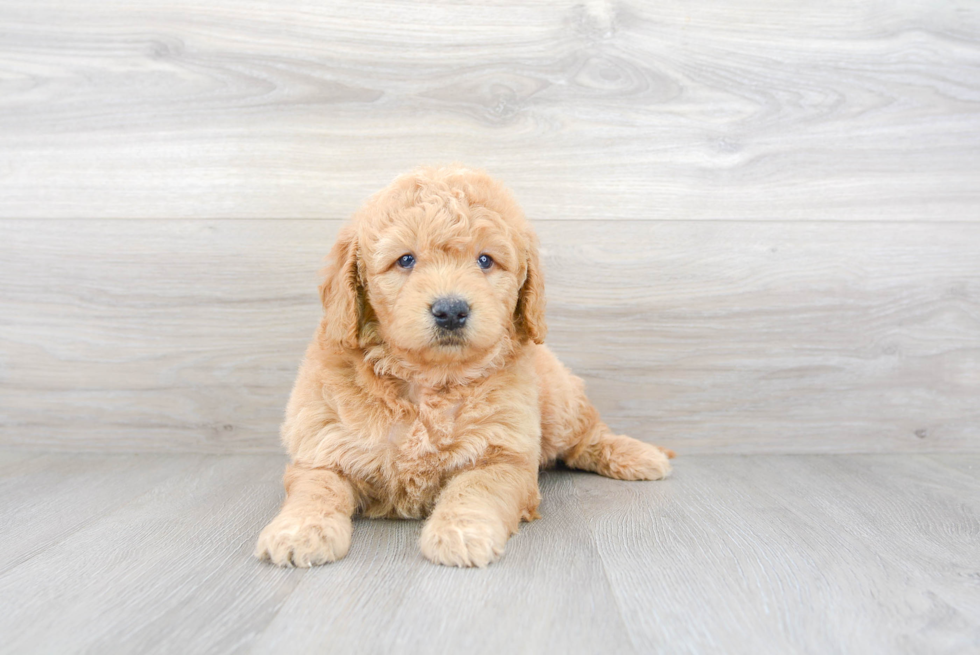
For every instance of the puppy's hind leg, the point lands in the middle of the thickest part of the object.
(617, 456)
(572, 431)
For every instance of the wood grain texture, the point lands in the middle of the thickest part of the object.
(806, 554)
(549, 593)
(705, 337)
(741, 554)
(47, 498)
(298, 109)
(141, 578)
(914, 535)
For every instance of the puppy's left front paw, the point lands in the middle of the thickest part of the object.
(462, 542)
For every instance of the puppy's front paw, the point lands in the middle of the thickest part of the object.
(462, 542)
(629, 459)
(305, 541)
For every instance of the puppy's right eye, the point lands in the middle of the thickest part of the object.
(406, 261)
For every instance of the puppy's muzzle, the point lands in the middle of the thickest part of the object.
(450, 313)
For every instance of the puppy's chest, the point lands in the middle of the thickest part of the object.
(421, 450)
(425, 438)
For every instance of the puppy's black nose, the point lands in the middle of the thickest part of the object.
(450, 313)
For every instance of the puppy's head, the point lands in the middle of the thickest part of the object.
(440, 266)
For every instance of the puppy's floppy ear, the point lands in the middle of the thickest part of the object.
(529, 313)
(342, 293)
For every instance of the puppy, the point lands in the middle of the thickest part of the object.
(427, 390)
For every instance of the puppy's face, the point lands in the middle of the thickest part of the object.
(444, 279)
(440, 265)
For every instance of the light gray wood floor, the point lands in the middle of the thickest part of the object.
(739, 554)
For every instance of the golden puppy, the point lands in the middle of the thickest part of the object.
(427, 390)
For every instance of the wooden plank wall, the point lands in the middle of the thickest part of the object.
(760, 220)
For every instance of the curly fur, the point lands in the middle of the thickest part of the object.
(391, 418)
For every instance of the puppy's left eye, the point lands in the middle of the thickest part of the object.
(406, 261)
(485, 261)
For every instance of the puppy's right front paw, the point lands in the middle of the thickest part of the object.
(305, 541)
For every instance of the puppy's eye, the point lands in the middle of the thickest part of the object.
(406, 261)
(485, 261)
